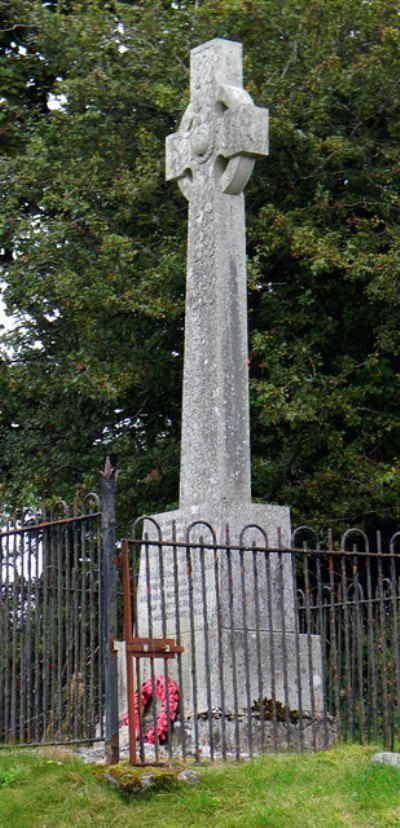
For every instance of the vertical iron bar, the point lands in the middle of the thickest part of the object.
(271, 648)
(151, 635)
(76, 610)
(3, 634)
(372, 677)
(322, 632)
(129, 665)
(140, 710)
(233, 643)
(206, 648)
(60, 624)
(297, 647)
(246, 650)
(46, 635)
(83, 646)
(216, 554)
(189, 569)
(383, 643)
(7, 669)
(100, 674)
(164, 633)
(178, 638)
(109, 611)
(136, 700)
(38, 629)
(129, 659)
(137, 632)
(29, 666)
(348, 717)
(68, 634)
(359, 649)
(353, 657)
(395, 634)
(333, 638)
(258, 647)
(53, 628)
(14, 642)
(281, 595)
(309, 645)
(92, 628)
(22, 642)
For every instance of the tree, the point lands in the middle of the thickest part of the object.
(93, 245)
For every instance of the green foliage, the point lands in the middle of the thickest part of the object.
(93, 250)
(9, 776)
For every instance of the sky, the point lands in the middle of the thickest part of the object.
(7, 323)
(4, 319)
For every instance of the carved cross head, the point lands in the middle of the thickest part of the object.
(222, 132)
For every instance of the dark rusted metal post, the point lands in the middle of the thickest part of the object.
(110, 580)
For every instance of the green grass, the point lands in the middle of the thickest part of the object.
(332, 789)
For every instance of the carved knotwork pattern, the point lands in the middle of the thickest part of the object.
(220, 132)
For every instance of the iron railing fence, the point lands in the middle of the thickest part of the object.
(255, 647)
(240, 647)
(51, 649)
(349, 595)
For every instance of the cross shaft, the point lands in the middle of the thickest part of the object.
(211, 157)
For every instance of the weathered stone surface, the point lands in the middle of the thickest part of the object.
(235, 615)
(133, 781)
(313, 732)
(148, 780)
(276, 663)
(267, 580)
(122, 679)
(190, 777)
(212, 156)
(386, 758)
(255, 737)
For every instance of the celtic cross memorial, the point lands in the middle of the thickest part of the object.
(211, 157)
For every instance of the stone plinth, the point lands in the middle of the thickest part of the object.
(233, 610)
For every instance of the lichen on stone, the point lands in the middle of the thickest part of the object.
(132, 781)
(275, 710)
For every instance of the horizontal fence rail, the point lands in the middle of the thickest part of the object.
(51, 664)
(271, 647)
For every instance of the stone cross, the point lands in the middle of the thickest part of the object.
(233, 613)
(211, 157)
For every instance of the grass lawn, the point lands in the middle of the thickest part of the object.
(331, 789)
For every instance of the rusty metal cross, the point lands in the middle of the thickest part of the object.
(137, 647)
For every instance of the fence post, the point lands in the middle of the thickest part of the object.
(109, 593)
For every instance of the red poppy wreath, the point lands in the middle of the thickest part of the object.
(146, 693)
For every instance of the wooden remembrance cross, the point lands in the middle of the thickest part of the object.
(212, 157)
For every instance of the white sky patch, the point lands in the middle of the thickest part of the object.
(7, 321)
(120, 28)
(56, 102)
